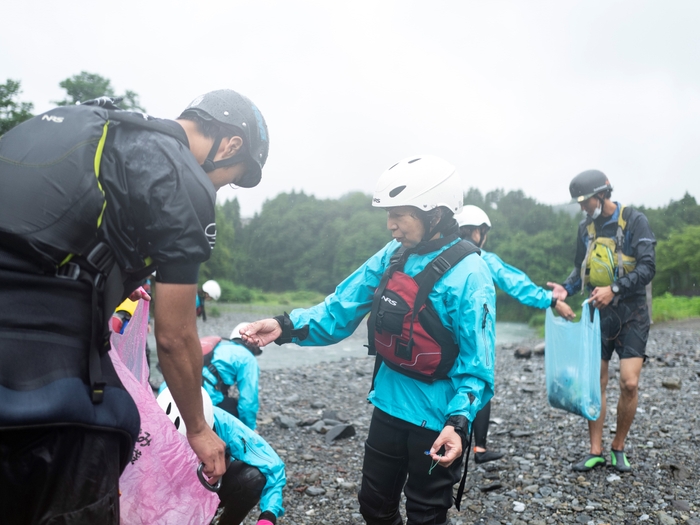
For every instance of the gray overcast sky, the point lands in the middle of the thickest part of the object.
(517, 94)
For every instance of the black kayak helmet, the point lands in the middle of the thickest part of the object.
(588, 183)
(233, 110)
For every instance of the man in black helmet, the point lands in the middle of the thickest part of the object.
(64, 438)
(614, 263)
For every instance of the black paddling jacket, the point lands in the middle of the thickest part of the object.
(159, 213)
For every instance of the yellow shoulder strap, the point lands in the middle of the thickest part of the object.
(622, 223)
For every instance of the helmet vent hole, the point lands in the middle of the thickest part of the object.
(394, 166)
(177, 422)
(414, 160)
(396, 191)
(169, 409)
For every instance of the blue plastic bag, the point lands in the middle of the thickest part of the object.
(572, 363)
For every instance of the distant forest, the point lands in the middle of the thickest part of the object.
(299, 242)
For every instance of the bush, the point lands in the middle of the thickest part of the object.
(668, 307)
(234, 293)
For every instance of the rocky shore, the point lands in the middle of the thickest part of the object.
(533, 484)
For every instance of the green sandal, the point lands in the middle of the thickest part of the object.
(619, 460)
(590, 462)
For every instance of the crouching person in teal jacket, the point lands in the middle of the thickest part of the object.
(431, 302)
(255, 474)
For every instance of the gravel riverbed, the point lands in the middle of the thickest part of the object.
(533, 483)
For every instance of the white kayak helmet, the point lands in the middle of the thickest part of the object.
(213, 289)
(236, 334)
(167, 403)
(424, 181)
(472, 216)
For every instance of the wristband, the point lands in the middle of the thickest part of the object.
(460, 424)
(288, 331)
(554, 302)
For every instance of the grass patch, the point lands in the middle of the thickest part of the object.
(669, 307)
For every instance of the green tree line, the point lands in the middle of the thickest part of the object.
(299, 242)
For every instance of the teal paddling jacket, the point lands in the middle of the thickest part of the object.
(464, 300)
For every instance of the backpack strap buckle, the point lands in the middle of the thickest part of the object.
(70, 271)
(440, 265)
(100, 257)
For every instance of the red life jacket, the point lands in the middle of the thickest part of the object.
(404, 328)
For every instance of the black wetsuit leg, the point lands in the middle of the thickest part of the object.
(481, 426)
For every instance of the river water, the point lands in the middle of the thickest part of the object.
(291, 355)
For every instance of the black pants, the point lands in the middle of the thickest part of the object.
(241, 488)
(59, 475)
(481, 425)
(394, 460)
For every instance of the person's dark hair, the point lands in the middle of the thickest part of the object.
(211, 128)
(253, 349)
(438, 220)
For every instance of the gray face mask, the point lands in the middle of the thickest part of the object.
(596, 213)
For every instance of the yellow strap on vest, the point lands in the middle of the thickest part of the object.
(592, 236)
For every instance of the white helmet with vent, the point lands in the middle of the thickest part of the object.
(167, 403)
(472, 216)
(423, 181)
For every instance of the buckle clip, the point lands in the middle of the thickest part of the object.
(70, 271)
(100, 257)
(97, 392)
(440, 265)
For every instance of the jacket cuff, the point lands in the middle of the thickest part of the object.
(460, 424)
(288, 331)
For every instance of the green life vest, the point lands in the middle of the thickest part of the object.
(604, 262)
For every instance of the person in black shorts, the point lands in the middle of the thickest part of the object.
(622, 237)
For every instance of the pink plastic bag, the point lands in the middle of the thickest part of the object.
(160, 485)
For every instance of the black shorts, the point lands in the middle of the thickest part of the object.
(625, 329)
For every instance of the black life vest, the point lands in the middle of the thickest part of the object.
(404, 328)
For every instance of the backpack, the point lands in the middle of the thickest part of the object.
(52, 205)
(604, 262)
(404, 329)
(53, 202)
(209, 343)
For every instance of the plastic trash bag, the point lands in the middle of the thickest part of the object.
(572, 363)
(160, 485)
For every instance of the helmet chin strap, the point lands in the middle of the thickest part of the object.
(210, 164)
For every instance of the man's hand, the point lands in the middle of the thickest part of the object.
(261, 333)
(601, 296)
(210, 450)
(453, 446)
(564, 310)
(139, 293)
(558, 291)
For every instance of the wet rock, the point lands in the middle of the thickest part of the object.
(678, 471)
(317, 404)
(490, 487)
(340, 432)
(308, 422)
(294, 398)
(315, 491)
(665, 519)
(681, 505)
(286, 421)
(672, 383)
(522, 353)
(538, 349)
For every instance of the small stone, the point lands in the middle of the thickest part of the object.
(489, 488)
(293, 398)
(678, 471)
(318, 404)
(521, 433)
(681, 505)
(613, 477)
(532, 489)
(347, 485)
(308, 457)
(518, 506)
(672, 383)
(644, 517)
(308, 422)
(340, 432)
(315, 491)
(286, 421)
(665, 519)
(522, 353)
(538, 349)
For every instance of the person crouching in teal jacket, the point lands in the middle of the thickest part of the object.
(435, 368)
(256, 473)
